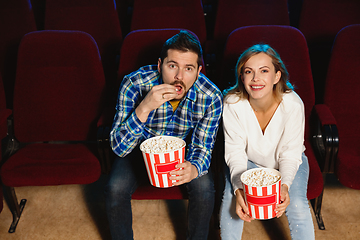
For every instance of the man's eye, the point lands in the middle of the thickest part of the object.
(188, 69)
(171, 66)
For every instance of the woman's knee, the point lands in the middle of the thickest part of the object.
(298, 207)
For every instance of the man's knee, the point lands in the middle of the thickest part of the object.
(202, 187)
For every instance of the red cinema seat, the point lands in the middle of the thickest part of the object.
(341, 99)
(58, 99)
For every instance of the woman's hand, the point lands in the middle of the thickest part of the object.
(284, 201)
(241, 209)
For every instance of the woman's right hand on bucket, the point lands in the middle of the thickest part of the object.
(241, 209)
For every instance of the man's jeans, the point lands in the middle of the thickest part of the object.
(126, 175)
(298, 212)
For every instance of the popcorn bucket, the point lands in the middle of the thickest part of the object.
(261, 200)
(159, 164)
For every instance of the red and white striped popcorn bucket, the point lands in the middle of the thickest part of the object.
(262, 200)
(158, 165)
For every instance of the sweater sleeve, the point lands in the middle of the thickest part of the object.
(292, 143)
(235, 144)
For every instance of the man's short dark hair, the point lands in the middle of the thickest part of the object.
(183, 41)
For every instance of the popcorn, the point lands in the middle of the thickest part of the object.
(161, 145)
(260, 178)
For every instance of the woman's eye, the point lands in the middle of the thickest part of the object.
(265, 70)
(247, 72)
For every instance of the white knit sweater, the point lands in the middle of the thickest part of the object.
(280, 147)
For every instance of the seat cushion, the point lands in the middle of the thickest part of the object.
(51, 164)
(348, 162)
(150, 192)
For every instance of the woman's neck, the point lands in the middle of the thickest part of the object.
(264, 105)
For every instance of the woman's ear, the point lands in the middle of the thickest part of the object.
(277, 77)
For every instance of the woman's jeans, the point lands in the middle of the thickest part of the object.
(298, 212)
(126, 175)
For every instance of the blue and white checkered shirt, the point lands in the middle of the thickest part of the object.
(199, 113)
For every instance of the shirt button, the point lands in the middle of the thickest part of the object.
(167, 133)
(137, 129)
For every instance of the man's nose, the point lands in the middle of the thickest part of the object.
(179, 74)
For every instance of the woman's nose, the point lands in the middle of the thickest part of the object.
(254, 76)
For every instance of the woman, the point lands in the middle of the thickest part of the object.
(264, 127)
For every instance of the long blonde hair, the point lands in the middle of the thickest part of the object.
(283, 86)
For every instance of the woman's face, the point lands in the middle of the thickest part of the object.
(259, 76)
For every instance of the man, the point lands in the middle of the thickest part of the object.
(175, 99)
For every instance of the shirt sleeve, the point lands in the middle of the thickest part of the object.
(292, 144)
(127, 128)
(235, 144)
(204, 136)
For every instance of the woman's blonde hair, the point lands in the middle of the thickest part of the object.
(281, 87)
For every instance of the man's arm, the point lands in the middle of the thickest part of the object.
(203, 141)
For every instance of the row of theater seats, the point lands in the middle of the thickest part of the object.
(110, 21)
(59, 108)
(38, 89)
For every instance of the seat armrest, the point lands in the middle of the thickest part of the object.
(103, 139)
(325, 138)
(9, 144)
(324, 114)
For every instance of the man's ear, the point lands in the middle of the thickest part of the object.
(199, 70)
(159, 65)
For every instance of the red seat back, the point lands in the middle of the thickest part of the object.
(232, 14)
(142, 47)
(185, 14)
(59, 83)
(98, 18)
(16, 19)
(341, 96)
(292, 48)
(320, 21)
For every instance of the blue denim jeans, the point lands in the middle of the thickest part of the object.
(126, 175)
(298, 212)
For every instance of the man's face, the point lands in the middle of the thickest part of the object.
(180, 69)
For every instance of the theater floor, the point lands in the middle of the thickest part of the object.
(74, 212)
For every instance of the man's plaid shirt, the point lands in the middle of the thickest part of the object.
(198, 113)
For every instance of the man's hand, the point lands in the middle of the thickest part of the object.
(185, 173)
(241, 209)
(284, 200)
(157, 96)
